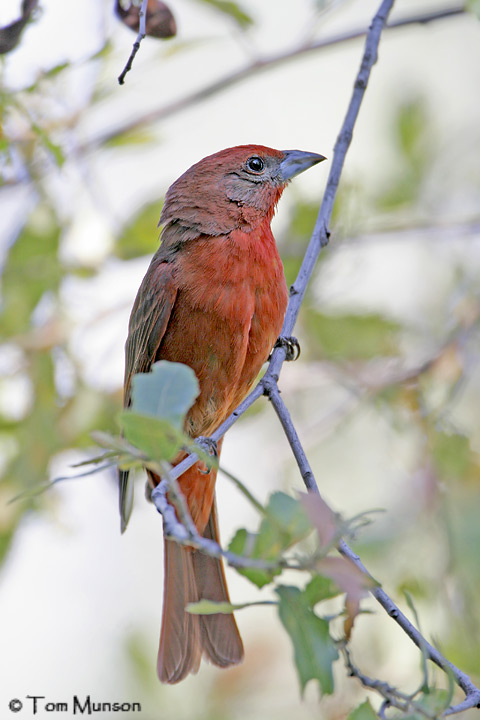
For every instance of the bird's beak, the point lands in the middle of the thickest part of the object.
(296, 161)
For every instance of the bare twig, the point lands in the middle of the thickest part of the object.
(136, 45)
(259, 65)
(183, 530)
(461, 678)
(392, 696)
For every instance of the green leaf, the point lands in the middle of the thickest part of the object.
(212, 607)
(363, 712)
(289, 515)
(320, 588)
(285, 522)
(314, 649)
(167, 392)
(412, 130)
(451, 455)
(135, 137)
(474, 7)
(302, 221)
(433, 703)
(352, 337)
(245, 544)
(54, 148)
(32, 268)
(413, 136)
(155, 437)
(140, 235)
(233, 9)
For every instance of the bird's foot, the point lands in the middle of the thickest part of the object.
(210, 447)
(291, 347)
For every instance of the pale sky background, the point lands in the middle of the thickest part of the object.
(72, 589)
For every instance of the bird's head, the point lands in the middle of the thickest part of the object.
(236, 188)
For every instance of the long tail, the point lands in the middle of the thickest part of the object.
(189, 576)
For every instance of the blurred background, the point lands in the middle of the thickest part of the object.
(386, 394)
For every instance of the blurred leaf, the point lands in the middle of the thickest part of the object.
(38, 435)
(329, 525)
(167, 392)
(433, 703)
(140, 236)
(157, 438)
(233, 10)
(293, 241)
(412, 135)
(291, 266)
(352, 337)
(451, 454)
(363, 712)
(351, 580)
(54, 149)
(46, 74)
(314, 649)
(137, 653)
(10, 516)
(411, 130)
(137, 136)
(302, 221)
(289, 516)
(212, 607)
(474, 7)
(32, 268)
(284, 524)
(320, 588)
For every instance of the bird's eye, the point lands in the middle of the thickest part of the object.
(255, 164)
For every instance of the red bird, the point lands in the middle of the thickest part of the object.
(213, 298)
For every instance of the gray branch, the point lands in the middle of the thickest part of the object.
(179, 526)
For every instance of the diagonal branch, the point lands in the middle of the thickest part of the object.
(183, 529)
(462, 679)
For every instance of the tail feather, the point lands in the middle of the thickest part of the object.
(220, 638)
(189, 576)
(180, 649)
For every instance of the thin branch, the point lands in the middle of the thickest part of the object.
(462, 679)
(393, 697)
(183, 530)
(273, 394)
(136, 45)
(260, 65)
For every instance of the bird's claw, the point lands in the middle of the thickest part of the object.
(291, 347)
(210, 447)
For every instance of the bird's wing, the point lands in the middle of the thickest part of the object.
(148, 322)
